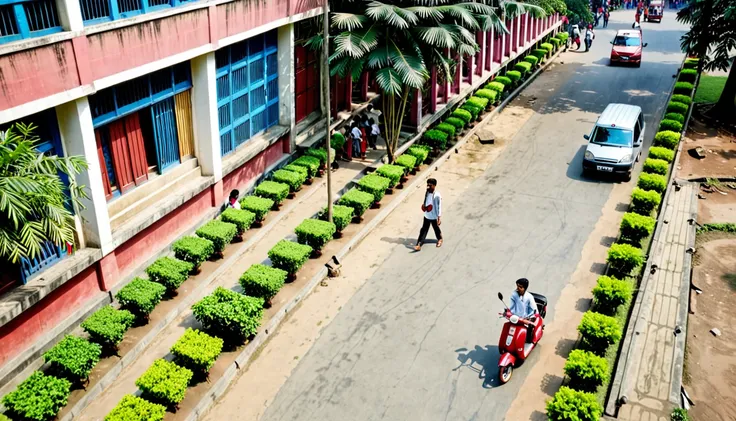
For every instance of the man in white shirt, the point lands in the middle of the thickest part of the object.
(522, 304)
(432, 208)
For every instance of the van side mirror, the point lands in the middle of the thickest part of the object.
(587, 137)
(610, 42)
(645, 44)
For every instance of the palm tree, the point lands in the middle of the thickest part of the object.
(33, 199)
(401, 42)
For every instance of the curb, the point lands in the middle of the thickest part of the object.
(221, 386)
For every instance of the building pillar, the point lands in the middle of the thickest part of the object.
(287, 80)
(70, 15)
(522, 30)
(204, 114)
(517, 33)
(433, 90)
(458, 74)
(446, 87)
(506, 51)
(489, 50)
(480, 36)
(416, 108)
(471, 65)
(78, 137)
(364, 86)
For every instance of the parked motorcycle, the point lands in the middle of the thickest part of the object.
(513, 344)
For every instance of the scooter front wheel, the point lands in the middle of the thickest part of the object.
(505, 372)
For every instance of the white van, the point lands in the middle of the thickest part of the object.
(616, 140)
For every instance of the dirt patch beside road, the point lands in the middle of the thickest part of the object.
(720, 152)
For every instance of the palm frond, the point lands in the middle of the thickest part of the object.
(426, 12)
(347, 21)
(410, 67)
(355, 43)
(390, 14)
(463, 15)
(514, 9)
(389, 81)
(436, 36)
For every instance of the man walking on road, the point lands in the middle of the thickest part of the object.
(432, 208)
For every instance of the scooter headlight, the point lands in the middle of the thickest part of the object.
(589, 155)
(626, 159)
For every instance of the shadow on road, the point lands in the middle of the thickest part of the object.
(482, 360)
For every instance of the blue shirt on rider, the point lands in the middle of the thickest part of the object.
(523, 306)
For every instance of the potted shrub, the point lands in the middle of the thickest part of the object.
(341, 217)
(358, 200)
(304, 171)
(683, 99)
(220, 233)
(107, 326)
(624, 258)
(635, 227)
(289, 256)
(670, 125)
(376, 186)
(447, 128)
(658, 152)
(39, 397)
(683, 88)
(164, 382)
(73, 358)
(656, 166)
(599, 331)
(194, 250)
(610, 293)
(515, 77)
(458, 123)
(321, 154)
(667, 139)
(539, 53)
(169, 272)
(241, 218)
(133, 408)
(140, 297)
(263, 281)
(315, 233)
(547, 46)
(675, 116)
(524, 67)
(677, 107)
(197, 351)
(273, 190)
(504, 80)
(394, 173)
(572, 405)
(463, 115)
(437, 139)
(688, 75)
(259, 206)
(586, 370)
(420, 152)
(292, 179)
(474, 111)
(478, 102)
(644, 202)
(310, 162)
(229, 315)
(653, 182)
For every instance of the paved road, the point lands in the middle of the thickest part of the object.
(395, 351)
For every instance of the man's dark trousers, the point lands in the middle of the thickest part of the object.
(425, 230)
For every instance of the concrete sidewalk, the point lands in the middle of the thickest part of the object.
(655, 341)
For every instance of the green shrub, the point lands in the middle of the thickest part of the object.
(304, 171)
(337, 141)
(654, 182)
(504, 80)
(406, 161)
(586, 370)
(341, 216)
(229, 315)
(319, 153)
(435, 138)
(169, 272)
(196, 350)
(656, 166)
(39, 397)
(685, 88)
(679, 414)
(458, 123)
(691, 63)
(273, 190)
(447, 128)
(599, 331)
(514, 75)
(670, 125)
(644, 202)
(667, 139)
(556, 42)
(292, 179)
(392, 172)
(164, 382)
(375, 185)
(682, 99)
(192, 249)
(258, 205)
(563, 36)
(533, 60)
(676, 117)
(73, 358)
(478, 102)
(289, 256)
(523, 66)
(107, 326)
(140, 296)
(463, 115)
(472, 109)
(610, 293)
(316, 233)
(489, 93)
(539, 53)
(547, 46)
(624, 257)
(263, 281)
(420, 152)
(309, 162)
(658, 152)
(358, 200)
(242, 218)
(635, 227)
(677, 107)
(572, 405)
(133, 408)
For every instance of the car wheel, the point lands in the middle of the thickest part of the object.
(627, 177)
(638, 64)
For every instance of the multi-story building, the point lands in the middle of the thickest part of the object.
(173, 103)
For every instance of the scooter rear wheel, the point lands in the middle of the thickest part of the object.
(505, 372)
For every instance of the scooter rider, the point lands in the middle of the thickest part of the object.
(523, 305)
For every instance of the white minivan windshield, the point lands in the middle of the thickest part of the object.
(612, 137)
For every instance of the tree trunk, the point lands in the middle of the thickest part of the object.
(725, 107)
(393, 118)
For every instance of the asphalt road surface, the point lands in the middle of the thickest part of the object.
(395, 351)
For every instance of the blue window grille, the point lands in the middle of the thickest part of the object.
(164, 132)
(50, 254)
(98, 11)
(27, 19)
(247, 89)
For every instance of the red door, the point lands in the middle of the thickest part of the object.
(138, 159)
(103, 166)
(121, 156)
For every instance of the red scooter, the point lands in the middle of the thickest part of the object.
(512, 344)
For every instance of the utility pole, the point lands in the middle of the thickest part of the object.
(326, 101)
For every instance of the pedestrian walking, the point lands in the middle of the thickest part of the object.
(355, 134)
(365, 130)
(606, 15)
(432, 208)
(375, 132)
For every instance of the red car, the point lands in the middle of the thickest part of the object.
(627, 47)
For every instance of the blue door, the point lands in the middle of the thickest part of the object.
(164, 132)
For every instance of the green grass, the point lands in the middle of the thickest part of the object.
(709, 89)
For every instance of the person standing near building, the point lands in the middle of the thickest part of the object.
(355, 133)
(432, 208)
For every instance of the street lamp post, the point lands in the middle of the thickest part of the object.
(326, 101)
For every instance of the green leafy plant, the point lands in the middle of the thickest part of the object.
(229, 315)
(555, 42)
(316, 233)
(337, 141)
(586, 370)
(573, 405)
(73, 358)
(599, 331)
(164, 382)
(290, 256)
(635, 227)
(140, 296)
(472, 109)
(489, 93)
(523, 66)
(685, 88)
(193, 249)
(504, 80)
(624, 257)
(273, 190)
(656, 166)
(514, 75)
(670, 125)
(392, 172)
(677, 107)
(478, 102)
(463, 115)
(292, 179)
(644, 202)
(242, 218)
(319, 153)
(654, 182)
(311, 163)
(531, 59)
(258, 205)
(406, 161)
(667, 139)
(358, 200)
(39, 397)
(683, 99)
(375, 185)
(459, 123)
(107, 326)
(676, 117)
(563, 36)
(420, 152)
(341, 216)
(196, 350)
(610, 293)
(658, 152)
(219, 232)
(304, 171)
(547, 46)
(263, 281)
(691, 63)
(435, 138)
(539, 53)
(447, 128)
(133, 408)
(679, 414)
(169, 272)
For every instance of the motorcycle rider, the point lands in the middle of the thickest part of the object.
(589, 37)
(523, 305)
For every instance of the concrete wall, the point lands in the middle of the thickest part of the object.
(254, 168)
(243, 15)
